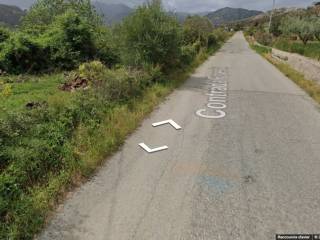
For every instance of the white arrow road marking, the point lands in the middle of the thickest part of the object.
(149, 150)
(170, 121)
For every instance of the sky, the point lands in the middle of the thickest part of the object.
(211, 5)
(197, 5)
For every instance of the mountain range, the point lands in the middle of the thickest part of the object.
(10, 15)
(227, 15)
(114, 13)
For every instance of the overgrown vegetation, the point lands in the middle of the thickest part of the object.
(293, 31)
(56, 127)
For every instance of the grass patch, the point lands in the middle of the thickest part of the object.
(25, 89)
(261, 49)
(311, 49)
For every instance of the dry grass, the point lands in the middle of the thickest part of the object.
(311, 87)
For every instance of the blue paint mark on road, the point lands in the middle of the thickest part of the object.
(214, 184)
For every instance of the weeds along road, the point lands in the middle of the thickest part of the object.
(245, 165)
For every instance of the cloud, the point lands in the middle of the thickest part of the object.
(209, 5)
(197, 5)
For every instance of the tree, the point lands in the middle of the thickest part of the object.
(4, 34)
(316, 26)
(69, 40)
(196, 28)
(44, 12)
(150, 35)
(301, 26)
(275, 26)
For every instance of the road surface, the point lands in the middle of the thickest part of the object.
(245, 165)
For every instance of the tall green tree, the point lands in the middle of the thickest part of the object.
(196, 28)
(4, 34)
(69, 40)
(44, 12)
(275, 26)
(150, 35)
(316, 26)
(303, 27)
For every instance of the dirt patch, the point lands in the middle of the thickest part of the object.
(74, 84)
(307, 66)
(34, 105)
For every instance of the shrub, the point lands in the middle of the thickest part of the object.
(44, 13)
(220, 35)
(22, 53)
(251, 31)
(316, 27)
(106, 47)
(150, 35)
(34, 146)
(4, 34)
(188, 54)
(301, 26)
(264, 38)
(212, 40)
(69, 40)
(119, 84)
(196, 28)
(90, 70)
(197, 46)
(275, 27)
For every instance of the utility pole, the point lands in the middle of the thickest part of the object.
(271, 14)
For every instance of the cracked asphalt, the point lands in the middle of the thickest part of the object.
(248, 175)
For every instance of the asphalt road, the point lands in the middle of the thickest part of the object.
(249, 174)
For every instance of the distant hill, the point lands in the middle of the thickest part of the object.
(23, 4)
(227, 15)
(112, 13)
(115, 13)
(10, 15)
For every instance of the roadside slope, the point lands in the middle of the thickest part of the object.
(248, 175)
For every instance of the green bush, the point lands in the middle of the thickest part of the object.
(44, 12)
(303, 27)
(150, 35)
(34, 147)
(106, 46)
(263, 38)
(220, 35)
(69, 40)
(4, 34)
(120, 84)
(188, 54)
(197, 46)
(212, 40)
(251, 31)
(22, 53)
(196, 28)
(275, 27)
